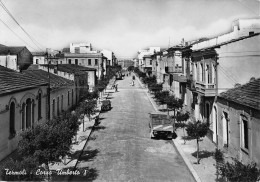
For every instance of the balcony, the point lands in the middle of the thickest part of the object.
(169, 69)
(208, 90)
(179, 78)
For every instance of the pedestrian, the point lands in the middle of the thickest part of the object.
(116, 88)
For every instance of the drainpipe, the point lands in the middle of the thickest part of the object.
(216, 94)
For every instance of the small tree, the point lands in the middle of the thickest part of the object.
(239, 172)
(173, 103)
(155, 88)
(197, 130)
(181, 118)
(162, 97)
(48, 141)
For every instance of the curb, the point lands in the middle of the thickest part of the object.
(74, 168)
(186, 160)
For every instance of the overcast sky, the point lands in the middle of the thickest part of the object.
(123, 26)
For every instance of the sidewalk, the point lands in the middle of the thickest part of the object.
(206, 170)
(82, 136)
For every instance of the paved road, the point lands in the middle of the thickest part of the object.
(120, 149)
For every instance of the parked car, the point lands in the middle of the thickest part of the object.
(106, 105)
(160, 125)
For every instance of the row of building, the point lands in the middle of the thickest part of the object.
(35, 87)
(219, 82)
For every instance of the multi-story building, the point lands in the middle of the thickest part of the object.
(91, 60)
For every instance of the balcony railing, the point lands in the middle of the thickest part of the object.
(179, 78)
(208, 89)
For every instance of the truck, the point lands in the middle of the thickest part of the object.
(160, 125)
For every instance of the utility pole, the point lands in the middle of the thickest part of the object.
(48, 89)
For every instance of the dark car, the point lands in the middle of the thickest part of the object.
(106, 105)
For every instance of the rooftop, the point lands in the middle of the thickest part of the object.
(247, 94)
(4, 50)
(39, 53)
(56, 82)
(12, 81)
(71, 68)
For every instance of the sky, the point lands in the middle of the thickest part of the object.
(122, 26)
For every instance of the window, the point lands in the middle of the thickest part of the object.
(69, 61)
(68, 98)
(39, 106)
(72, 97)
(244, 133)
(61, 102)
(37, 61)
(89, 61)
(12, 120)
(28, 112)
(53, 108)
(23, 116)
(58, 106)
(76, 61)
(96, 62)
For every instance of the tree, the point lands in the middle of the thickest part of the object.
(154, 87)
(161, 97)
(173, 103)
(197, 130)
(130, 68)
(182, 117)
(238, 172)
(49, 141)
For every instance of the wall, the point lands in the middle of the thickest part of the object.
(9, 61)
(9, 145)
(235, 111)
(41, 60)
(238, 62)
(66, 105)
(24, 58)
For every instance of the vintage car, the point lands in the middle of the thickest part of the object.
(160, 125)
(106, 105)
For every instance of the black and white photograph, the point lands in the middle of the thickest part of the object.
(130, 90)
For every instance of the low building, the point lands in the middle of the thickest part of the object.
(23, 101)
(236, 121)
(39, 58)
(15, 58)
(84, 77)
(63, 92)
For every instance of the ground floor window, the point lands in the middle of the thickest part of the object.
(244, 134)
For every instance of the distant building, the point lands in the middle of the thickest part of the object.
(39, 58)
(15, 58)
(110, 57)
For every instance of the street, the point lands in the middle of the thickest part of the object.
(120, 149)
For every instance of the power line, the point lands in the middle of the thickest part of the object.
(240, 2)
(16, 34)
(30, 37)
(229, 73)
